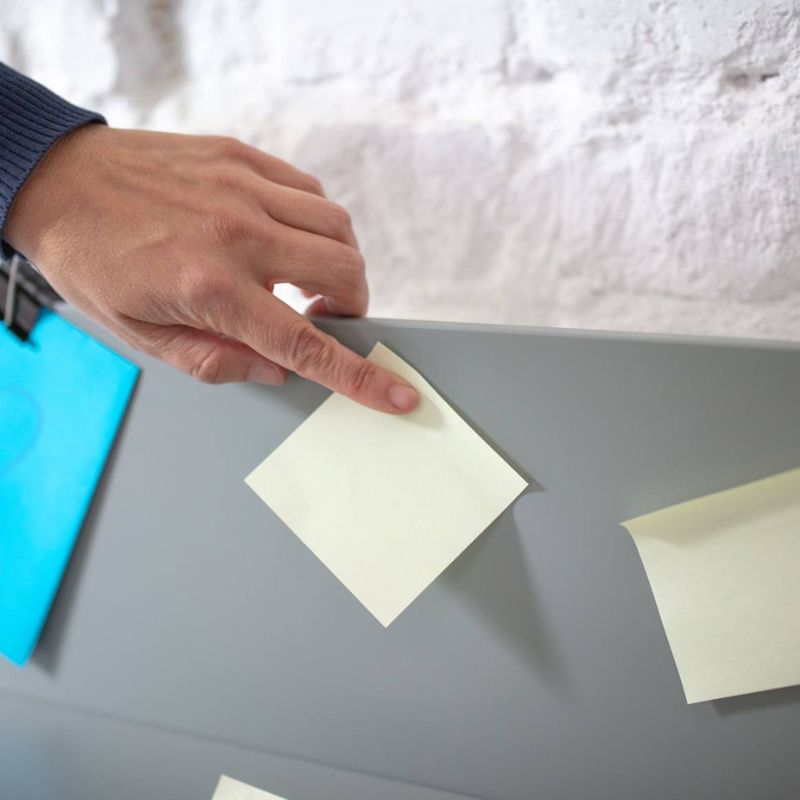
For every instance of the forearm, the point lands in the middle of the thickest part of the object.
(32, 119)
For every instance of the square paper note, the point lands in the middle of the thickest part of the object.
(62, 399)
(386, 502)
(229, 789)
(725, 572)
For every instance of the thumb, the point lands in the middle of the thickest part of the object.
(212, 358)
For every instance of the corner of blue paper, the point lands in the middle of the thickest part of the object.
(63, 396)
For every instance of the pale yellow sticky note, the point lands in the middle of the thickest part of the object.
(229, 789)
(725, 573)
(386, 502)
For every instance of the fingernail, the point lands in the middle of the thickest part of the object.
(266, 373)
(403, 397)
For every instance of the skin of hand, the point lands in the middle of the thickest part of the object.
(175, 243)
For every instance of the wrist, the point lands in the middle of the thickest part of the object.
(35, 218)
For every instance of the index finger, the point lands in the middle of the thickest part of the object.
(279, 333)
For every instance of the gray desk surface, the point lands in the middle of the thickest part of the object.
(54, 753)
(535, 667)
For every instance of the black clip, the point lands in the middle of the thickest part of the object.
(23, 293)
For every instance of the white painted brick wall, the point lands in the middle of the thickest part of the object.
(623, 164)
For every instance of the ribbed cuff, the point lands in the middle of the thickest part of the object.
(32, 119)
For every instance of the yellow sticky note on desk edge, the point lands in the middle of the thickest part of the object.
(386, 502)
(725, 574)
(229, 789)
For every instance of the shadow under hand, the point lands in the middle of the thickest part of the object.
(48, 650)
(298, 396)
(758, 701)
(492, 577)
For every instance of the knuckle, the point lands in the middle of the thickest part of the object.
(229, 227)
(207, 368)
(309, 349)
(196, 287)
(361, 377)
(269, 232)
(309, 183)
(354, 262)
(231, 147)
(205, 291)
(226, 179)
(340, 219)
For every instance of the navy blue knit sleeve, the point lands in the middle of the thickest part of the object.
(32, 119)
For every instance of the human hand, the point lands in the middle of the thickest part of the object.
(175, 244)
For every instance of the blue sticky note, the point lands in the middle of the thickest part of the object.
(62, 398)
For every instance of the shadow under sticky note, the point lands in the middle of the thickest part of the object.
(725, 573)
(386, 502)
(62, 398)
